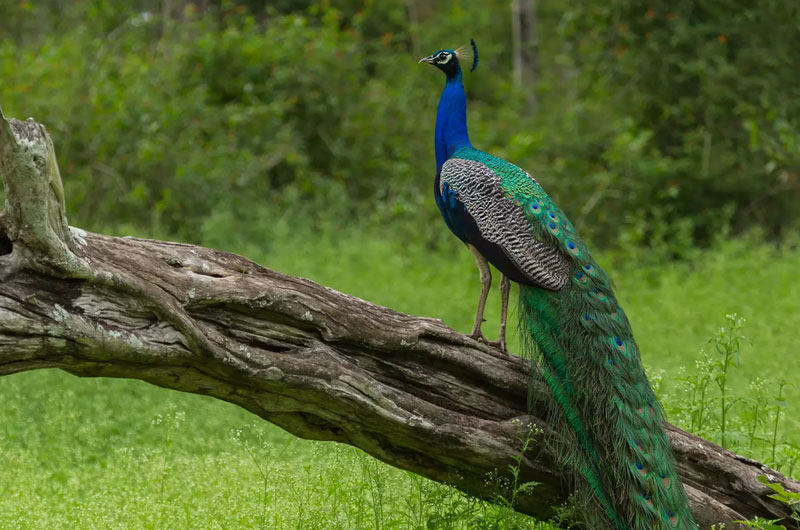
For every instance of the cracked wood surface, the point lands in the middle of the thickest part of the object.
(321, 364)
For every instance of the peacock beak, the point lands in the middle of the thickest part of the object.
(428, 59)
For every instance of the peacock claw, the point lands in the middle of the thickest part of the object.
(499, 344)
(477, 335)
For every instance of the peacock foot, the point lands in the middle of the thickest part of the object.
(499, 344)
(478, 335)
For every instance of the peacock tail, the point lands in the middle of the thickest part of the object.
(588, 357)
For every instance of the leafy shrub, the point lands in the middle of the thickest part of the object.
(658, 126)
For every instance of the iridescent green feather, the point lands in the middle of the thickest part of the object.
(590, 360)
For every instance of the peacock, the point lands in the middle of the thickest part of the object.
(571, 324)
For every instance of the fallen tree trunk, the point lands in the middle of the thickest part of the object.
(322, 365)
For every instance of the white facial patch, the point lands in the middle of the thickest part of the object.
(445, 59)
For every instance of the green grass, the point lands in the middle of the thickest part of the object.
(100, 453)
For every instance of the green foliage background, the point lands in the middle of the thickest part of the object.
(300, 134)
(658, 124)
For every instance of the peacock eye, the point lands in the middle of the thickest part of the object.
(443, 57)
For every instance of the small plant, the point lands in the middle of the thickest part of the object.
(373, 472)
(698, 381)
(755, 403)
(508, 489)
(173, 420)
(727, 341)
(238, 437)
(747, 422)
(780, 402)
(762, 524)
(789, 457)
(527, 433)
(789, 498)
(567, 516)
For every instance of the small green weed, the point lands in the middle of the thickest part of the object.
(754, 403)
(509, 487)
(780, 403)
(789, 498)
(746, 421)
(760, 523)
(261, 463)
(697, 381)
(727, 342)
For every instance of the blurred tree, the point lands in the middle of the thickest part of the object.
(523, 24)
(715, 87)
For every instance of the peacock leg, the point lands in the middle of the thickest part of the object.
(505, 289)
(486, 284)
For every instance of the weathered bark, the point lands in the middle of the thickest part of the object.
(322, 365)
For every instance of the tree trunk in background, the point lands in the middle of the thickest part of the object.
(320, 364)
(523, 34)
(414, 19)
(421, 9)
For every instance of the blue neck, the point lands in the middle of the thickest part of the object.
(451, 121)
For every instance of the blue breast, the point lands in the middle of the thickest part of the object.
(454, 213)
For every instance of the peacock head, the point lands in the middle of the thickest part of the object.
(448, 61)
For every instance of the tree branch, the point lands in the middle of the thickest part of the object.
(322, 365)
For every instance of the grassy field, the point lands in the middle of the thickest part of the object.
(122, 454)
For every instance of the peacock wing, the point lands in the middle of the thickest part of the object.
(501, 220)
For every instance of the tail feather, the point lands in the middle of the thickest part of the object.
(581, 456)
(587, 355)
(600, 393)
